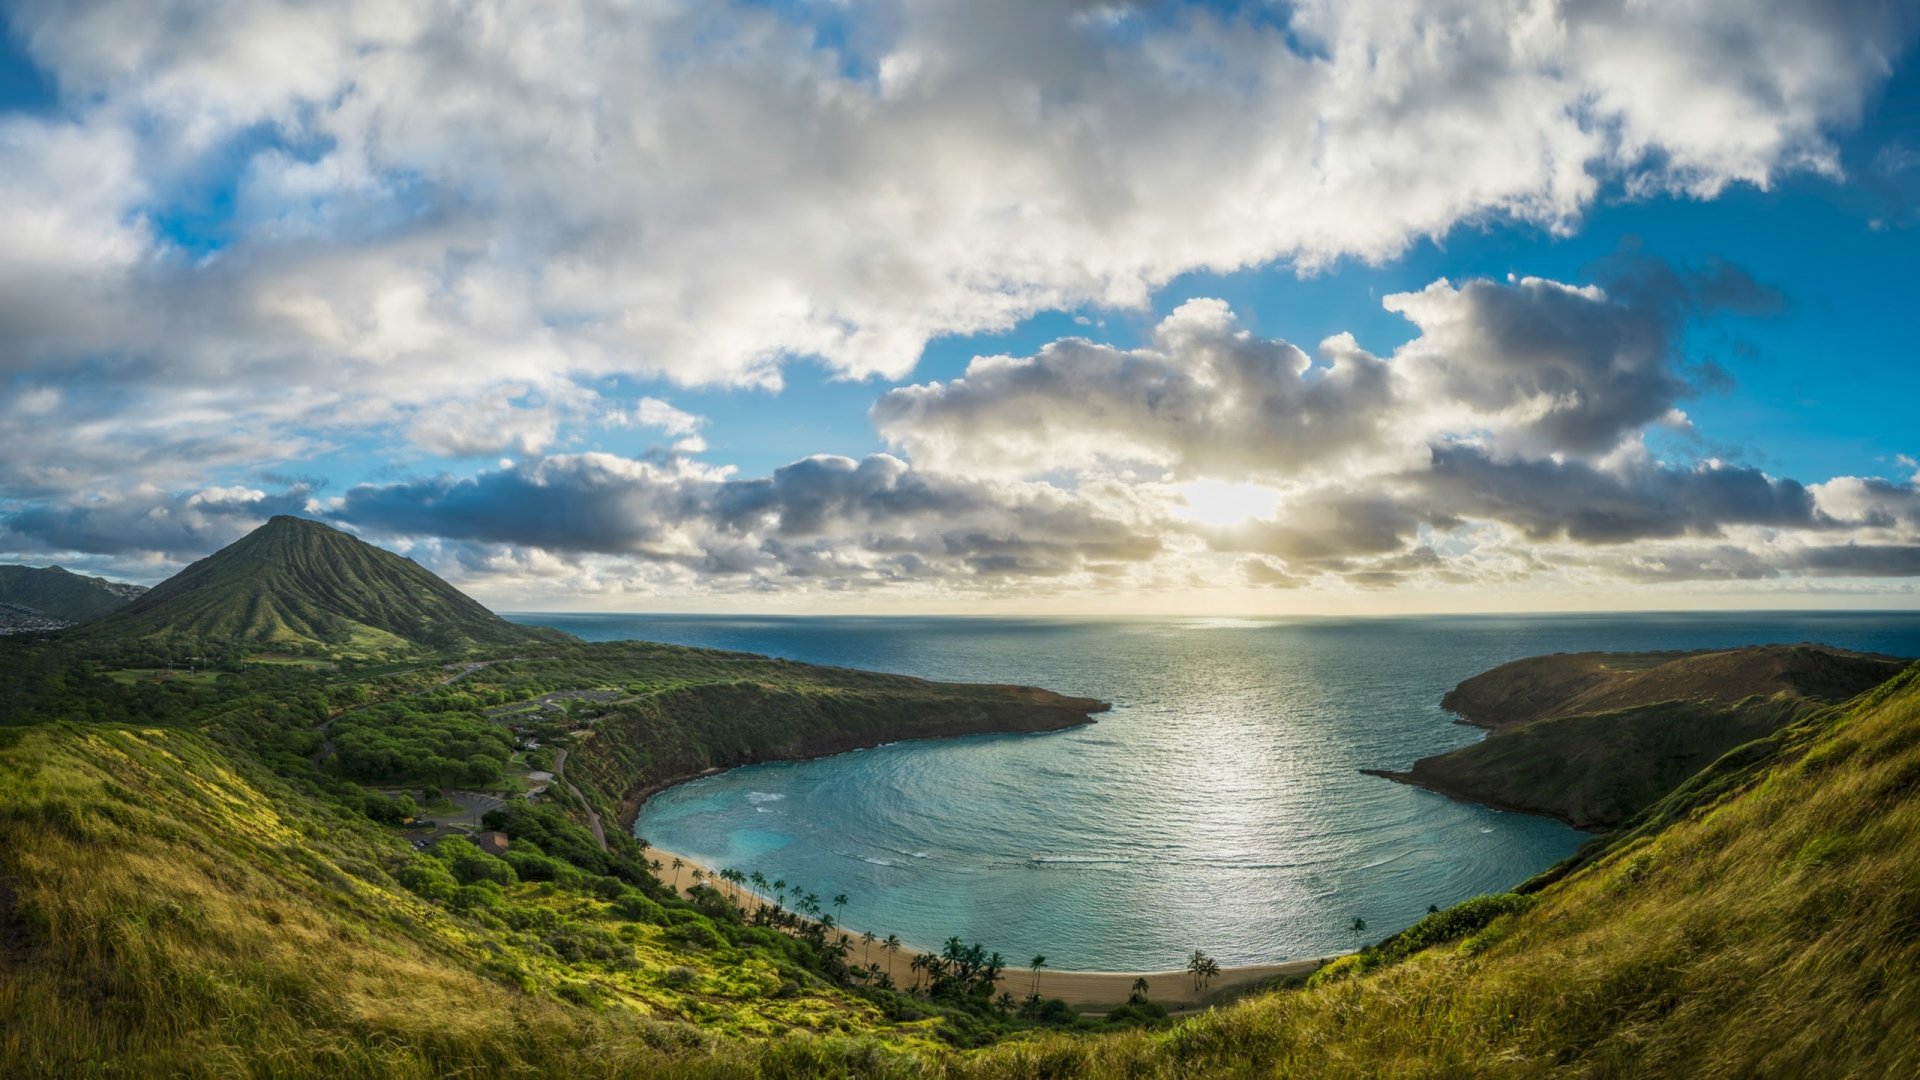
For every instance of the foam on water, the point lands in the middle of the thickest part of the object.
(1219, 806)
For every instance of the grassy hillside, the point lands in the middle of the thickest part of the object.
(295, 584)
(1593, 738)
(648, 715)
(1764, 923)
(209, 892)
(195, 898)
(62, 595)
(1574, 684)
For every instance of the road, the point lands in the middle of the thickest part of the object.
(593, 819)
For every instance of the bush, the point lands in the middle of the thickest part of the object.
(470, 865)
(428, 878)
(484, 895)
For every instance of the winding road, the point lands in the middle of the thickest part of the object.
(593, 818)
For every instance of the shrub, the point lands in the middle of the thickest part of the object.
(427, 878)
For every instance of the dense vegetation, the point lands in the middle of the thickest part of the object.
(194, 898)
(216, 867)
(300, 586)
(61, 594)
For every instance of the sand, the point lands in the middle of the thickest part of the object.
(1087, 991)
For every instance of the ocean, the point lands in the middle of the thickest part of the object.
(1220, 806)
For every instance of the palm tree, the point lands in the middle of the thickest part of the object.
(1139, 989)
(1036, 964)
(656, 866)
(780, 888)
(1198, 965)
(890, 946)
(917, 966)
(840, 902)
(759, 881)
(866, 946)
(677, 864)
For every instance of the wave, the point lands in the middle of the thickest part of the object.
(758, 797)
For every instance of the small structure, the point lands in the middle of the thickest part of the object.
(493, 843)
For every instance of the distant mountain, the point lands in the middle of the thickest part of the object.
(45, 598)
(295, 583)
(1594, 738)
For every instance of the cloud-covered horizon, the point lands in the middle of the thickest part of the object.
(1506, 441)
(424, 239)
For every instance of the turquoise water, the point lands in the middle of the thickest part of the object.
(1219, 806)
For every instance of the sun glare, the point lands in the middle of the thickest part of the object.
(1215, 502)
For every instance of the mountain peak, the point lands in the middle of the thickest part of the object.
(299, 583)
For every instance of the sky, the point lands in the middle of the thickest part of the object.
(982, 307)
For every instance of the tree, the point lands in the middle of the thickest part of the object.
(890, 946)
(1203, 969)
(1139, 993)
(677, 864)
(866, 946)
(1036, 964)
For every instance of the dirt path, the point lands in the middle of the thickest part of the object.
(593, 818)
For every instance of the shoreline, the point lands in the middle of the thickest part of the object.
(1086, 991)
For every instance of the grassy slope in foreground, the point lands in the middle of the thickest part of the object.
(1593, 738)
(294, 583)
(1762, 921)
(169, 908)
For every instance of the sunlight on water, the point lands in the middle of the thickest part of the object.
(1219, 806)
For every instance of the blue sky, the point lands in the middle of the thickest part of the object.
(703, 285)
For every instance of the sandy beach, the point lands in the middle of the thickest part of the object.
(1088, 991)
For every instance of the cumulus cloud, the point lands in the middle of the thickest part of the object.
(864, 521)
(422, 204)
(177, 527)
(258, 235)
(1205, 398)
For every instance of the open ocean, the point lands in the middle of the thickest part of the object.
(1220, 805)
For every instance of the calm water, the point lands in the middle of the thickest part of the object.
(1219, 806)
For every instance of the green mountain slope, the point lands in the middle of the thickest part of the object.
(294, 583)
(61, 594)
(175, 903)
(1763, 921)
(1593, 738)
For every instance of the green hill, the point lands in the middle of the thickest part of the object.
(189, 896)
(1593, 738)
(61, 595)
(192, 884)
(300, 585)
